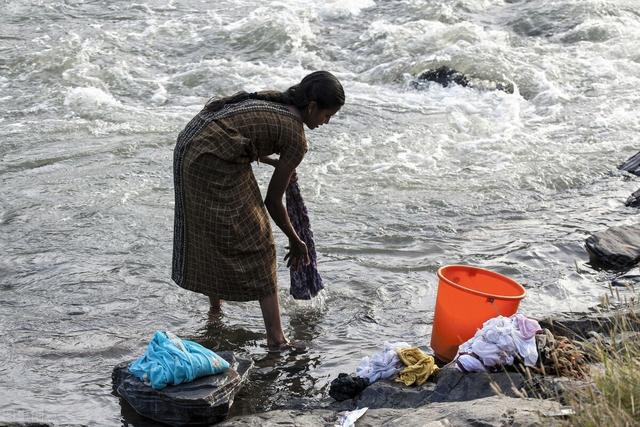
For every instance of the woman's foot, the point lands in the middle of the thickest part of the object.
(295, 346)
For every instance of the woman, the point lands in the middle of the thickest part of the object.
(223, 244)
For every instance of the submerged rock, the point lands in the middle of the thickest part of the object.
(446, 76)
(617, 247)
(633, 201)
(632, 165)
(204, 401)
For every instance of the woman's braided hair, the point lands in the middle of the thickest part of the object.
(319, 86)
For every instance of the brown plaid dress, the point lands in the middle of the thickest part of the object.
(223, 245)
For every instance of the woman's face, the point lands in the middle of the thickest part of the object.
(316, 116)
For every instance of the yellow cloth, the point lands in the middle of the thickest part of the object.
(419, 366)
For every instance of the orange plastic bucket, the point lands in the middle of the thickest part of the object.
(468, 297)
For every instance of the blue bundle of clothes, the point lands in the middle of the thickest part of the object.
(171, 361)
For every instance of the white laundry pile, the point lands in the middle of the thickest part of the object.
(383, 365)
(496, 344)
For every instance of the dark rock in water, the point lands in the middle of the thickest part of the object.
(629, 279)
(204, 401)
(444, 76)
(632, 165)
(617, 247)
(634, 200)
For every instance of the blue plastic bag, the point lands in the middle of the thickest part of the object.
(170, 361)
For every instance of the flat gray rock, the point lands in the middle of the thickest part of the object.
(617, 247)
(390, 394)
(451, 386)
(456, 386)
(489, 411)
(204, 401)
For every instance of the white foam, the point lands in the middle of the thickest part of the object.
(89, 99)
(345, 8)
(159, 97)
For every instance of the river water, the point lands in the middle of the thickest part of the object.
(403, 180)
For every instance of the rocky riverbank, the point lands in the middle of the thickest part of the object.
(496, 399)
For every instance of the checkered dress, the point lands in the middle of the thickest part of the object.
(223, 245)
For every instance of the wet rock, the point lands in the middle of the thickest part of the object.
(204, 401)
(446, 76)
(629, 279)
(617, 247)
(632, 165)
(633, 201)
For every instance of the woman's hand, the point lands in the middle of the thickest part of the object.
(298, 253)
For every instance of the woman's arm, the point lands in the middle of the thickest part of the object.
(273, 202)
(268, 160)
(274, 162)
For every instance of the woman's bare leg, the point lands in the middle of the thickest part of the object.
(270, 306)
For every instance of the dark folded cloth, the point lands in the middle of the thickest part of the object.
(347, 387)
(305, 280)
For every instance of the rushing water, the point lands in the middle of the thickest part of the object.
(405, 179)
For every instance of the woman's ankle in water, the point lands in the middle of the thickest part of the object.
(215, 303)
(277, 340)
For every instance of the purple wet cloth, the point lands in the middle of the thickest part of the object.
(305, 280)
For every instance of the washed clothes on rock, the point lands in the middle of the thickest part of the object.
(223, 243)
(382, 365)
(498, 342)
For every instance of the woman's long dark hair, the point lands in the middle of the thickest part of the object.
(319, 86)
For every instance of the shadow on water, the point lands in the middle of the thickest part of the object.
(277, 380)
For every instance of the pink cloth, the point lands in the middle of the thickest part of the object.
(527, 327)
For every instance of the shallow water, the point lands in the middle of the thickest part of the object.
(403, 180)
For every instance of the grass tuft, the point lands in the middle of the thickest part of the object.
(614, 398)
